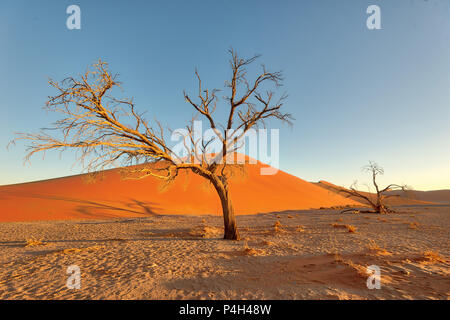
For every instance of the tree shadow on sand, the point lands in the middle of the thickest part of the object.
(91, 208)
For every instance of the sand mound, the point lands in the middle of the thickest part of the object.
(76, 197)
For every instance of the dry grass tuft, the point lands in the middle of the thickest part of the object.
(33, 242)
(338, 257)
(277, 224)
(205, 232)
(349, 227)
(360, 270)
(414, 225)
(267, 243)
(432, 257)
(277, 227)
(374, 248)
(250, 251)
(337, 225)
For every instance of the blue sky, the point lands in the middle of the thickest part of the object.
(357, 94)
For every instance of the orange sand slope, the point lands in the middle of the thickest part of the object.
(402, 199)
(75, 198)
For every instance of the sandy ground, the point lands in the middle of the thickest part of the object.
(183, 257)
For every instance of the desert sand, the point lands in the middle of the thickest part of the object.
(309, 254)
(132, 240)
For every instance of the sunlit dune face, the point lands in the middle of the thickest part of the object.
(110, 195)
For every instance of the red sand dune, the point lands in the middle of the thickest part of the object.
(75, 198)
(403, 198)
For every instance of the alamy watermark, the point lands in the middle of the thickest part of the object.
(374, 280)
(74, 279)
(373, 22)
(74, 20)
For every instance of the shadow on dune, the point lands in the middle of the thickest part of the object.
(134, 206)
(97, 209)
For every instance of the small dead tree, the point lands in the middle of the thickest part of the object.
(376, 200)
(105, 129)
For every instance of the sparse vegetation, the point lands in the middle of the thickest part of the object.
(250, 251)
(277, 227)
(204, 231)
(33, 242)
(360, 270)
(267, 243)
(349, 227)
(277, 224)
(414, 225)
(374, 248)
(432, 257)
(375, 201)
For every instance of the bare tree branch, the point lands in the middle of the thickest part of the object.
(377, 203)
(106, 129)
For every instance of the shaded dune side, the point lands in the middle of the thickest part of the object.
(111, 196)
(402, 199)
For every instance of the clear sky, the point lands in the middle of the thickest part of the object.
(357, 94)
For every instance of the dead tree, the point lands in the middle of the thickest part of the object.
(105, 129)
(375, 200)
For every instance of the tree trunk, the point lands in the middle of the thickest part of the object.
(229, 220)
(380, 208)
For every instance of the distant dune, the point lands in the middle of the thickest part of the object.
(111, 196)
(404, 198)
(437, 196)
